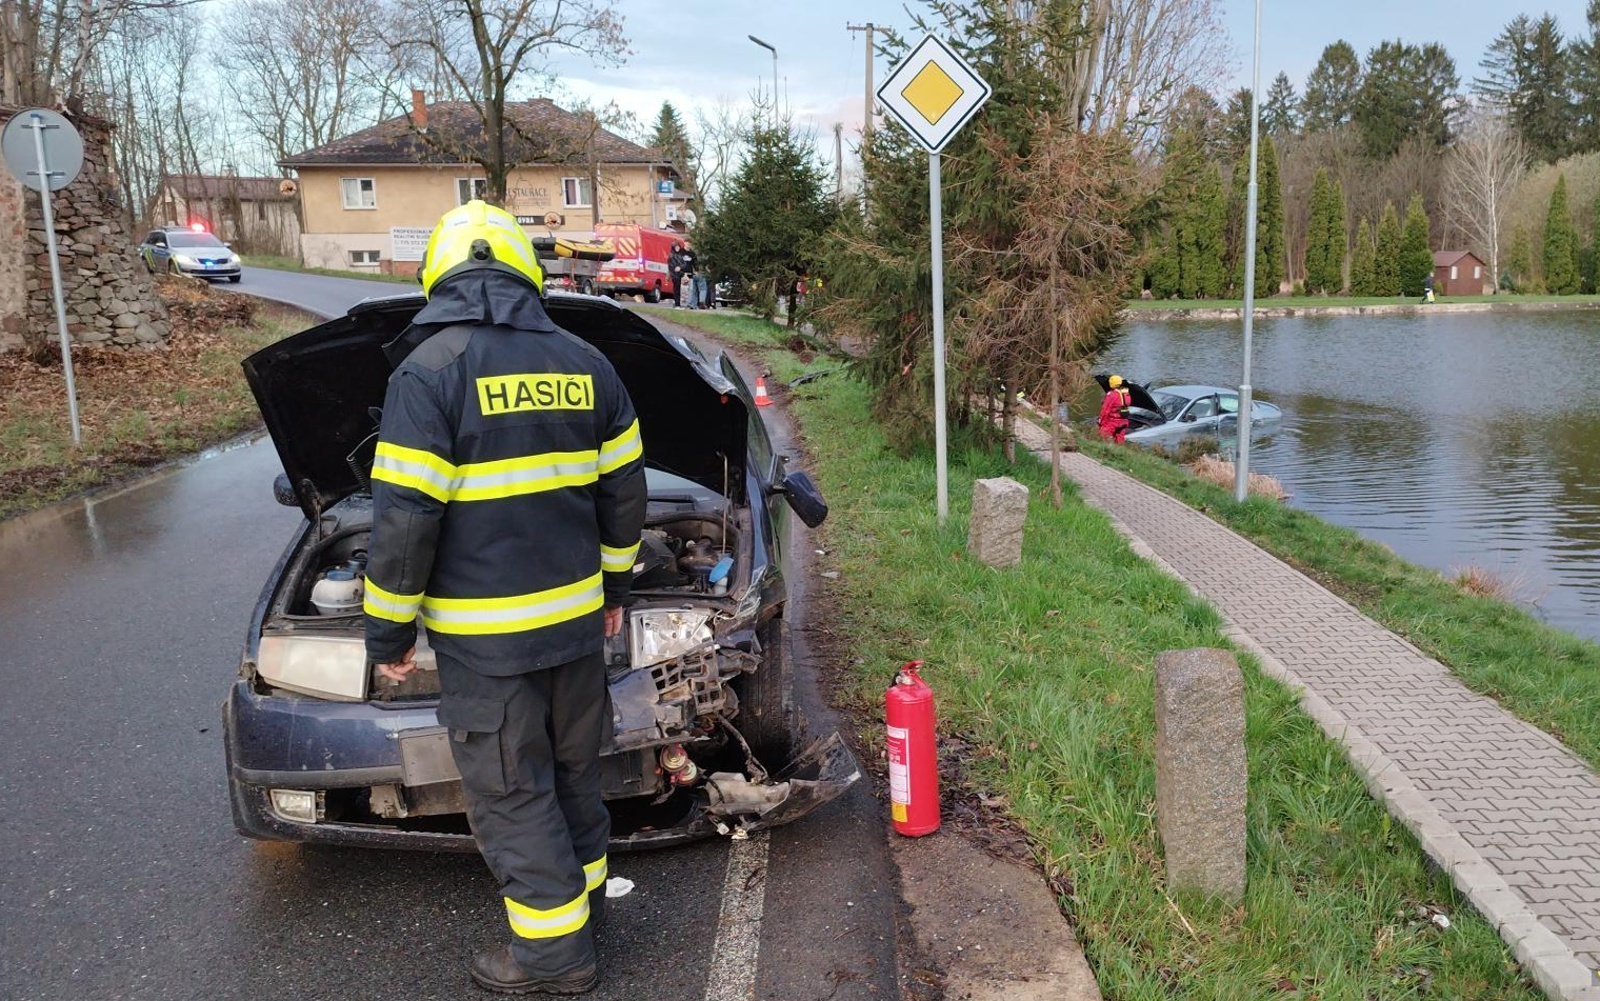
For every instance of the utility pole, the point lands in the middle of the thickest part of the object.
(866, 110)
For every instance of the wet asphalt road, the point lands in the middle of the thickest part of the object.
(121, 621)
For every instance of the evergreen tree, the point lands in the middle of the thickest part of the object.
(1386, 260)
(1236, 125)
(1583, 72)
(1280, 116)
(1319, 245)
(1526, 77)
(1560, 244)
(1331, 89)
(1269, 222)
(1208, 223)
(1363, 264)
(1416, 255)
(1504, 65)
(1519, 261)
(672, 139)
(1407, 91)
(771, 214)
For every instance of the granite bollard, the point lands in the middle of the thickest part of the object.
(1201, 777)
(999, 509)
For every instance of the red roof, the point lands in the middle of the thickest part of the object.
(1445, 258)
(247, 189)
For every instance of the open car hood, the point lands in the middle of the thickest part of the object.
(320, 389)
(1138, 396)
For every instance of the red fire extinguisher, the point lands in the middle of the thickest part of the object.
(913, 759)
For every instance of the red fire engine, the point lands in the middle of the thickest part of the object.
(640, 264)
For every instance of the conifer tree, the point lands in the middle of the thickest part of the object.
(1209, 221)
(1386, 265)
(1363, 263)
(1416, 257)
(1560, 244)
(1519, 262)
(1325, 237)
(672, 139)
(1269, 221)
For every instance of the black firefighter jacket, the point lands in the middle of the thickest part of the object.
(508, 488)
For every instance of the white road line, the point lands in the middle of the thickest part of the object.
(744, 896)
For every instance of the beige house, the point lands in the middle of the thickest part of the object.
(370, 199)
(255, 213)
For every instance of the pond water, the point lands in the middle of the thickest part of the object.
(1455, 439)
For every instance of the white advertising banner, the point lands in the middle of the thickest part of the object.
(407, 243)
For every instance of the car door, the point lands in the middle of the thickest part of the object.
(1202, 414)
(157, 253)
(766, 469)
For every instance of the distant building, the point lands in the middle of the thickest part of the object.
(256, 214)
(1460, 272)
(370, 199)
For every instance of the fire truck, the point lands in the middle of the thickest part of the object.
(639, 266)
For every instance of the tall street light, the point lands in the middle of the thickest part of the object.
(1241, 482)
(769, 48)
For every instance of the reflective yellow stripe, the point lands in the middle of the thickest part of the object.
(414, 468)
(381, 604)
(621, 450)
(531, 922)
(526, 474)
(615, 560)
(515, 614)
(596, 872)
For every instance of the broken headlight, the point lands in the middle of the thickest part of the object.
(328, 667)
(658, 634)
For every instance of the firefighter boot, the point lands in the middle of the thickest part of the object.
(497, 970)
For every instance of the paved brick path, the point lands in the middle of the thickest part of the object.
(1527, 810)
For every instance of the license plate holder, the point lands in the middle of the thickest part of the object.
(425, 757)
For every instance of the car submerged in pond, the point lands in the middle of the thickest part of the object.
(1168, 412)
(321, 748)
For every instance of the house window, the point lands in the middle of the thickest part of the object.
(575, 192)
(1477, 271)
(363, 258)
(1453, 274)
(359, 193)
(468, 188)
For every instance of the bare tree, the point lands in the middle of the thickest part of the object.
(300, 75)
(47, 47)
(717, 145)
(1139, 58)
(485, 47)
(1482, 171)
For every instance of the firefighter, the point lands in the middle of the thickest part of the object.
(508, 496)
(1114, 411)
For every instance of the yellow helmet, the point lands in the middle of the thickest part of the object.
(478, 235)
(1114, 381)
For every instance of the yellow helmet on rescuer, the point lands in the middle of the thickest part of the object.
(478, 235)
(1114, 381)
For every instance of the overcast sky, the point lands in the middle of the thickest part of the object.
(694, 52)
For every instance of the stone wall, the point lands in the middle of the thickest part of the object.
(110, 298)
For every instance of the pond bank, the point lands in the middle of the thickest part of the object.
(1268, 310)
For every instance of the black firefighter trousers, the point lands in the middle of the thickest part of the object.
(528, 749)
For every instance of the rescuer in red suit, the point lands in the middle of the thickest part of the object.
(1114, 411)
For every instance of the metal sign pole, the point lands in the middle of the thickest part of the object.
(936, 227)
(38, 126)
(1241, 481)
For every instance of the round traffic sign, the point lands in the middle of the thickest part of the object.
(63, 148)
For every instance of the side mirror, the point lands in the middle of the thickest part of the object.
(283, 491)
(1188, 419)
(804, 497)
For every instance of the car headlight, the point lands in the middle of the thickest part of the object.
(329, 667)
(185, 259)
(658, 634)
(234, 259)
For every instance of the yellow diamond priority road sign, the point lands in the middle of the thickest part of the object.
(933, 92)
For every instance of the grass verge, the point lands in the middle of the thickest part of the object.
(277, 263)
(137, 409)
(1315, 301)
(1544, 675)
(1043, 675)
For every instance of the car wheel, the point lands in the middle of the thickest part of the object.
(588, 287)
(654, 295)
(766, 700)
(234, 279)
(172, 268)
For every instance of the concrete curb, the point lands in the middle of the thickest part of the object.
(1545, 957)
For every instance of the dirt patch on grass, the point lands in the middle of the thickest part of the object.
(139, 407)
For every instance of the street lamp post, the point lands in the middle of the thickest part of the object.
(1241, 482)
(768, 46)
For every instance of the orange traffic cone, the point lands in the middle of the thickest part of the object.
(762, 399)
